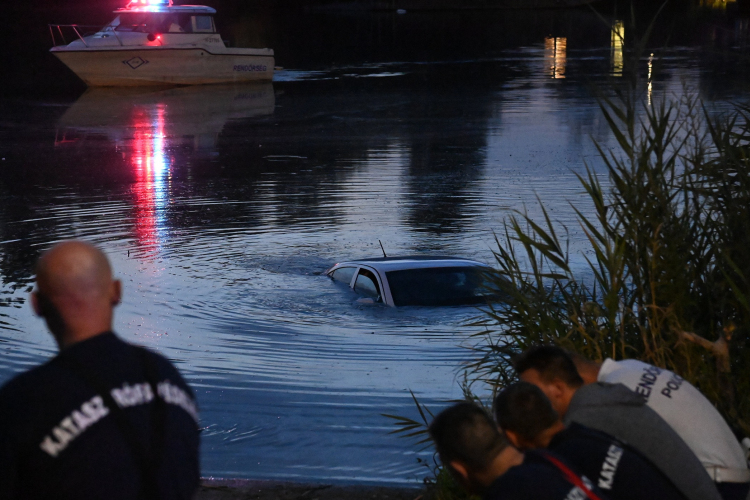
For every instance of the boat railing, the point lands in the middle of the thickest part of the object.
(58, 32)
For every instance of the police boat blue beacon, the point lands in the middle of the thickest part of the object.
(152, 42)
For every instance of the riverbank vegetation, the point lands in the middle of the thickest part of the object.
(667, 263)
(665, 273)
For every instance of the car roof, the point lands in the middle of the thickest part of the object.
(413, 262)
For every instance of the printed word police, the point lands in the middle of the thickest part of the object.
(94, 410)
(648, 379)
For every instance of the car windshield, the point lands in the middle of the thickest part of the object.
(444, 286)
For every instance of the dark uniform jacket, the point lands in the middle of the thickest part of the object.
(538, 479)
(616, 468)
(620, 412)
(102, 420)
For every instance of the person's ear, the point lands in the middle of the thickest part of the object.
(35, 303)
(460, 469)
(559, 394)
(116, 292)
(461, 474)
(556, 390)
(514, 439)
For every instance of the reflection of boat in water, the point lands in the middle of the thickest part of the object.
(152, 134)
(194, 113)
(153, 42)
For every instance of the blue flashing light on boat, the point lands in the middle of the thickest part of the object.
(149, 3)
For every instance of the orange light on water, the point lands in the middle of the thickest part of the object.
(555, 52)
(617, 45)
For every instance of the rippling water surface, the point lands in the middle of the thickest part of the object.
(220, 206)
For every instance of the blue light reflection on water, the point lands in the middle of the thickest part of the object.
(152, 164)
(162, 166)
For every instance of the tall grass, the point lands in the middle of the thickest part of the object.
(667, 270)
(666, 277)
(668, 257)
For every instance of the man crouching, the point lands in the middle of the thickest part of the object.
(484, 463)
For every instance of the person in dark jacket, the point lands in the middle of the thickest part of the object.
(103, 419)
(615, 410)
(687, 411)
(527, 418)
(484, 463)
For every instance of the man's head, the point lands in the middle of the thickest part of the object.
(75, 292)
(526, 416)
(470, 445)
(587, 369)
(551, 369)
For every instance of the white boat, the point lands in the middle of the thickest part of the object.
(152, 42)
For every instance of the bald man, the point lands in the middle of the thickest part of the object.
(104, 418)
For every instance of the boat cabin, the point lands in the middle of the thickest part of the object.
(153, 42)
(147, 16)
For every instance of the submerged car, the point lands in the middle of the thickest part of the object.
(420, 280)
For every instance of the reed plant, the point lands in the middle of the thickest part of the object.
(667, 260)
(665, 273)
(667, 264)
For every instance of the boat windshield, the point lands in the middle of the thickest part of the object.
(151, 22)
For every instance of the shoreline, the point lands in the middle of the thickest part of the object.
(236, 489)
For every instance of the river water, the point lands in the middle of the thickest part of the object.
(220, 207)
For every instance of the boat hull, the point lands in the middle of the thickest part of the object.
(167, 66)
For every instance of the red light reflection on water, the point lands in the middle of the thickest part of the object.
(152, 167)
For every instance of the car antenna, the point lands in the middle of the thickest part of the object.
(383, 249)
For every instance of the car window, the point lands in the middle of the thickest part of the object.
(344, 274)
(367, 284)
(444, 286)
